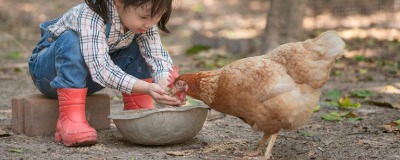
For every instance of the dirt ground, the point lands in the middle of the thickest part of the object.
(224, 137)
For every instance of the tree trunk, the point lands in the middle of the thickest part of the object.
(284, 23)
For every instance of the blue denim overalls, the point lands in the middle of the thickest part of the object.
(57, 62)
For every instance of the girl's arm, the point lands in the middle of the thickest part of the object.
(156, 56)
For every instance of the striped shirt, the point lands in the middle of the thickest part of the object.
(95, 47)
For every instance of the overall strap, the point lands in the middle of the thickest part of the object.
(108, 28)
(43, 26)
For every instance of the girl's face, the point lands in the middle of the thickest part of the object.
(136, 19)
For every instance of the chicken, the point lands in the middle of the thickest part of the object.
(271, 92)
(177, 89)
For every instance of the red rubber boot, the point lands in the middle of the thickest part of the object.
(138, 100)
(72, 128)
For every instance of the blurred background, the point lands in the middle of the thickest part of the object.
(225, 28)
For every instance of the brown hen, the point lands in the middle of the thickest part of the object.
(270, 92)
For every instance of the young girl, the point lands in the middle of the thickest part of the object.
(97, 44)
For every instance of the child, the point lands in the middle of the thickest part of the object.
(97, 44)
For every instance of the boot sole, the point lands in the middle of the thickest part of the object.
(80, 141)
(81, 144)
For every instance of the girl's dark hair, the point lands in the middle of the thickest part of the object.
(158, 7)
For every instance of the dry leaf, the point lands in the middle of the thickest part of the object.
(391, 127)
(385, 96)
(178, 153)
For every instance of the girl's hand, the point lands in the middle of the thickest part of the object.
(158, 94)
(163, 83)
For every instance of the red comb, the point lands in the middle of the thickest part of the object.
(173, 74)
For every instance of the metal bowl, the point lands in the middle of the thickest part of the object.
(160, 126)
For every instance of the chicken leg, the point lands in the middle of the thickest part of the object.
(260, 146)
(271, 143)
(262, 142)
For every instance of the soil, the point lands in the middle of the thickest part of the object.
(224, 136)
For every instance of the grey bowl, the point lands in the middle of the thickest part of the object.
(160, 126)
